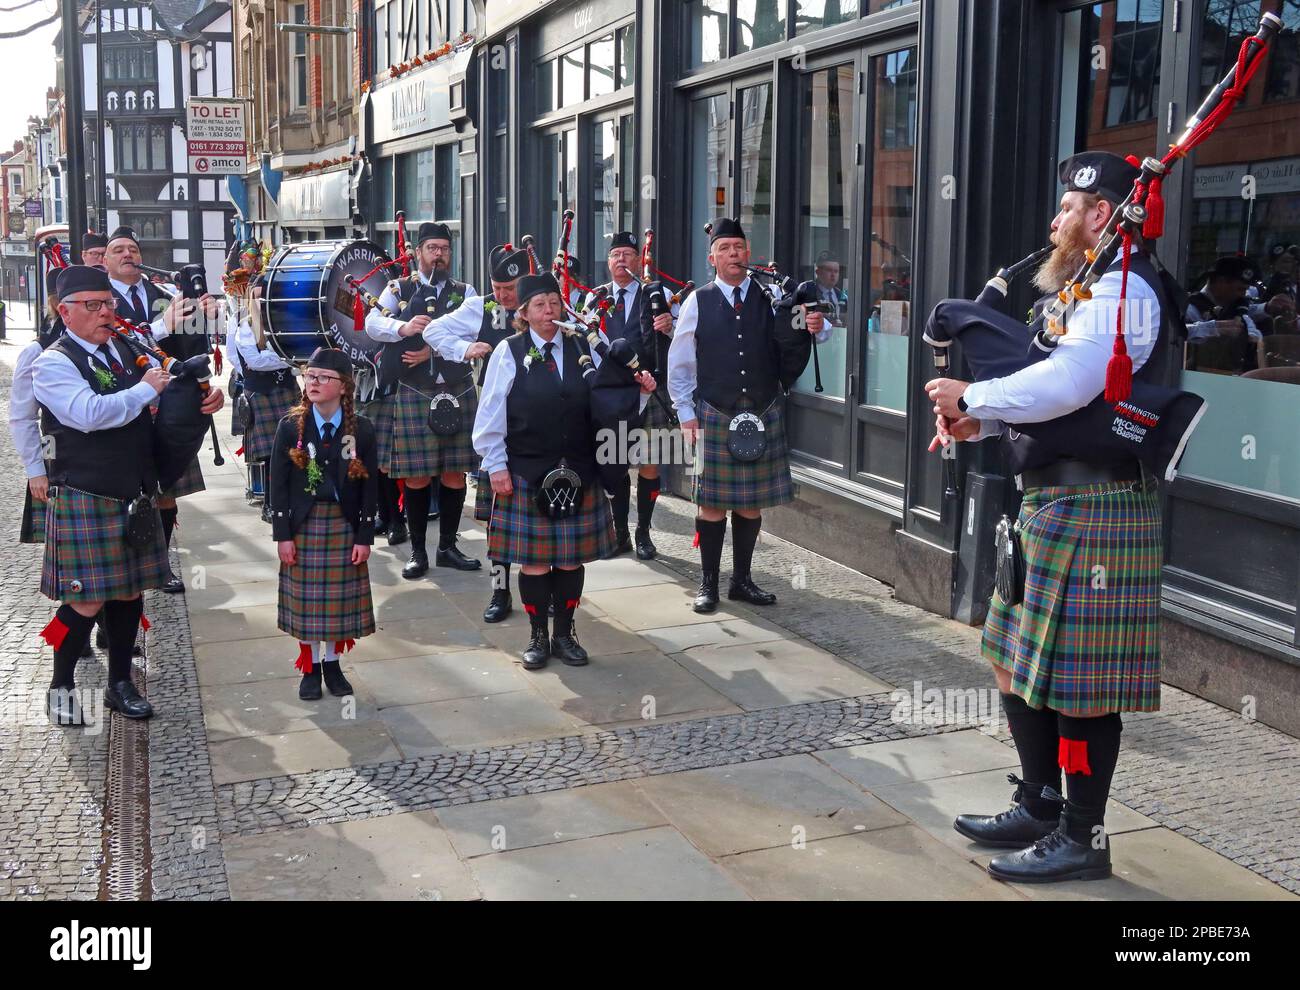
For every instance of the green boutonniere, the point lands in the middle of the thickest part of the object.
(454, 301)
(314, 474)
(490, 305)
(105, 378)
(533, 355)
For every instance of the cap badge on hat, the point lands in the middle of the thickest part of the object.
(1248, 274)
(513, 269)
(1085, 177)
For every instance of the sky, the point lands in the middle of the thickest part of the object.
(26, 67)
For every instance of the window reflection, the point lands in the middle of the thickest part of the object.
(707, 28)
(708, 175)
(755, 213)
(759, 23)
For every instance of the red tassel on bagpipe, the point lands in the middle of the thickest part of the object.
(358, 314)
(1072, 755)
(217, 360)
(55, 633)
(1119, 370)
(1154, 227)
(303, 663)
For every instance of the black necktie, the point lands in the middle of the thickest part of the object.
(326, 439)
(139, 304)
(622, 305)
(327, 434)
(109, 360)
(549, 358)
(736, 301)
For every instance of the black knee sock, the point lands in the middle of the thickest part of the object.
(417, 514)
(744, 535)
(535, 592)
(451, 502)
(1034, 733)
(647, 491)
(501, 576)
(621, 502)
(1089, 750)
(122, 622)
(68, 632)
(711, 535)
(566, 587)
(168, 524)
(387, 509)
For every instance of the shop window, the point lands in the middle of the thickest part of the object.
(604, 194)
(414, 180)
(384, 208)
(708, 174)
(552, 179)
(889, 272)
(626, 44)
(600, 67)
(1283, 79)
(876, 6)
(755, 209)
(149, 226)
(827, 237)
(760, 23)
(381, 39)
(571, 78)
(447, 172)
(813, 15)
(546, 83)
(628, 183)
(707, 29)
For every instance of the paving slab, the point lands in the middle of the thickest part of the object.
(624, 572)
(465, 723)
(251, 757)
(730, 632)
(768, 803)
(247, 660)
(418, 637)
(655, 606)
(920, 758)
(269, 708)
(769, 675)
(490, 827)
(654, 864)
(394, 857)
(440, 677)
(901, 863)
(600, 636)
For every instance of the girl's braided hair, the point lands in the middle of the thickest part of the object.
(356, 470)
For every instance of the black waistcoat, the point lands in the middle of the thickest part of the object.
(734, 352)
(1047, 446)
(629, 326)
(498, 325)
(418, 300)
(117, 463)
(546, 418)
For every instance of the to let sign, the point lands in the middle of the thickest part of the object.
(215, 133)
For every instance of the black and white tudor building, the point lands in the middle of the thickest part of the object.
(156, 55)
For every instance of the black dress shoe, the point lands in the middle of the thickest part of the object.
(417, 566)
(397, 533)
(1015, 828)
(539, 649)
(743, 589)
(63, 705)
(334, 680)
(645, 550)
(452, 557)
(501, 605)
(622, 544)
(309, 689)
(1052, 859)
(706, 599)
(174, 585)
(122, 697)
(568, 649)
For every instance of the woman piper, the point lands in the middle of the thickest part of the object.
(322, 493)
(534, 421)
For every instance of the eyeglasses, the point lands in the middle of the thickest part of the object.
(312, 379)
(92, 305)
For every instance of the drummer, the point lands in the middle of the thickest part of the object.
(270, 388)
(411, 377)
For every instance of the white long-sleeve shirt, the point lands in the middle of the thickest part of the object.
(455, 324)
(157, 326)
(682, 366)
(490, 422)
(241, 348)
(60, 388)
(25, 413)
(1074, 373)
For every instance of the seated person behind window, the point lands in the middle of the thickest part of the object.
(827, 274)
(1220, 310)
(1280, 291)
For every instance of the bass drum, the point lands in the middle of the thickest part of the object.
(306, 301)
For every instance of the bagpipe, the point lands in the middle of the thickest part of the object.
(1131, 418)
(362, 299)
(652, 283)
(179, 426)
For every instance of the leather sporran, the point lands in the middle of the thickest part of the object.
(141, 524)
(746, 437)
(1009, 573)
(243, 414)
(560, 492)
(446, 417)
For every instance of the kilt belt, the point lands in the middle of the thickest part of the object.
(722, 482)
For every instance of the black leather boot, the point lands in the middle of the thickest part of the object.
(1016, 828)
(706, 599)
(309, 689)
(645, 549)
(121, 696)
(450, 556)
(417, 566)
(501, 605)
(397, 532)
(63, 706)
(1053, 859)
(539, 647)
(743, 589)
(334, 680)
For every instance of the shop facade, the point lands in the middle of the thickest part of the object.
(899, 153)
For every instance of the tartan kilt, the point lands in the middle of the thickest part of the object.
(655, 418)
(188, 483)
(722, 482)
(86, 546)
(520, 533)
(323, 596)
(32, 528)
(1086, 639)
(407, 448)
(266, 409)
(482, 496)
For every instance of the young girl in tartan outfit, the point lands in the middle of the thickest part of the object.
(536, 413)
(322, 492)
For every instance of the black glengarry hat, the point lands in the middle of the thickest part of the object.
(1233, 266)
(331, 359)
(536, 285)
(82, 278)
(1102, 173)
(126, 232)
(509, 263)
(726, 227)
(623, 239)
(433, 232)
(91, 241)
